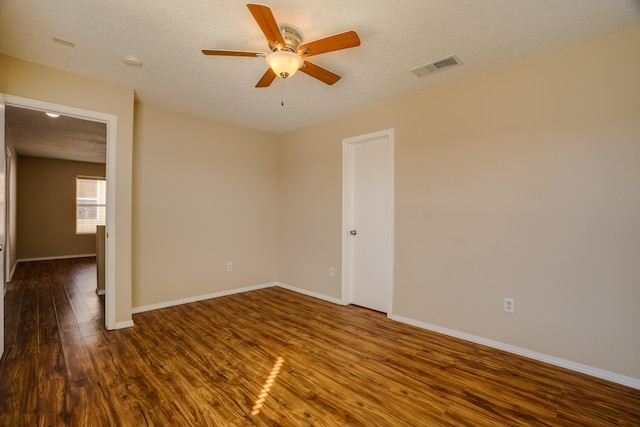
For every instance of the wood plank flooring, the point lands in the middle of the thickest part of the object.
(266, 358)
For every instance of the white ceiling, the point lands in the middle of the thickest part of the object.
(396, 35)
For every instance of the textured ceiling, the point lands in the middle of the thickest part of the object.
(35, 134)
(396, 36)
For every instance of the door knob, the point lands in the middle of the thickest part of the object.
(353, 232)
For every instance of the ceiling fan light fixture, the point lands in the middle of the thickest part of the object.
(284, 63)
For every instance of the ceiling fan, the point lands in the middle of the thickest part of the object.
(288, 55)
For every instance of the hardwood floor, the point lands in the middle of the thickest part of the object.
(266, 358)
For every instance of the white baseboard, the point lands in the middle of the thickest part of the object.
(166, 304)
(51, 258)
(309, 293)
(574, 366)
(125, 324)
(552, 360)
(13, 270)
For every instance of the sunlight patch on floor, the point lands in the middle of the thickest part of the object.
(271, 379)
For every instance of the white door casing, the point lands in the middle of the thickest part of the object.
(367, 276)
(3, 187)
(111, 123)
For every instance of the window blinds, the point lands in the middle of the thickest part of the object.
(91, 204)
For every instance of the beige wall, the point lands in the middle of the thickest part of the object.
(205, 194)
(310, 208)
(520, 183)
(33, 81)
(46, 214)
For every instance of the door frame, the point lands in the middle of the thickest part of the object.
(111, 123)
(347, 189)
(3, 251)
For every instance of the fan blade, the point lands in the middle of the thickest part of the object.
(268, 78)
(263, 16)
(319, 73)
(230, 53)
(329, 44)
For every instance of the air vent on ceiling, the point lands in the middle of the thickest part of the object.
(448, 62)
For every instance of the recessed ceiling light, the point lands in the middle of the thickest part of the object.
(132, 61)
(54, 115)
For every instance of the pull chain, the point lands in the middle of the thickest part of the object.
(282, 95)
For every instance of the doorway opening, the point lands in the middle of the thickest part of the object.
(110, 121)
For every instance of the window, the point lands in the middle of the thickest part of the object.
(91, 203)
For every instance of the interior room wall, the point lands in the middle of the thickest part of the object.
(520, 183)
(34, 81)
(310, 208)
(205, 194)
(46, 215)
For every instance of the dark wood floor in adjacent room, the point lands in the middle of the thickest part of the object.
(269, 357)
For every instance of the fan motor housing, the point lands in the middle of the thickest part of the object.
(292, 38)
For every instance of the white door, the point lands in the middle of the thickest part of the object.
(368, 218)
(2, 221)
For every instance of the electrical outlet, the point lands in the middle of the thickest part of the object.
(229, 266)
(509, 305)
(332, 272)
